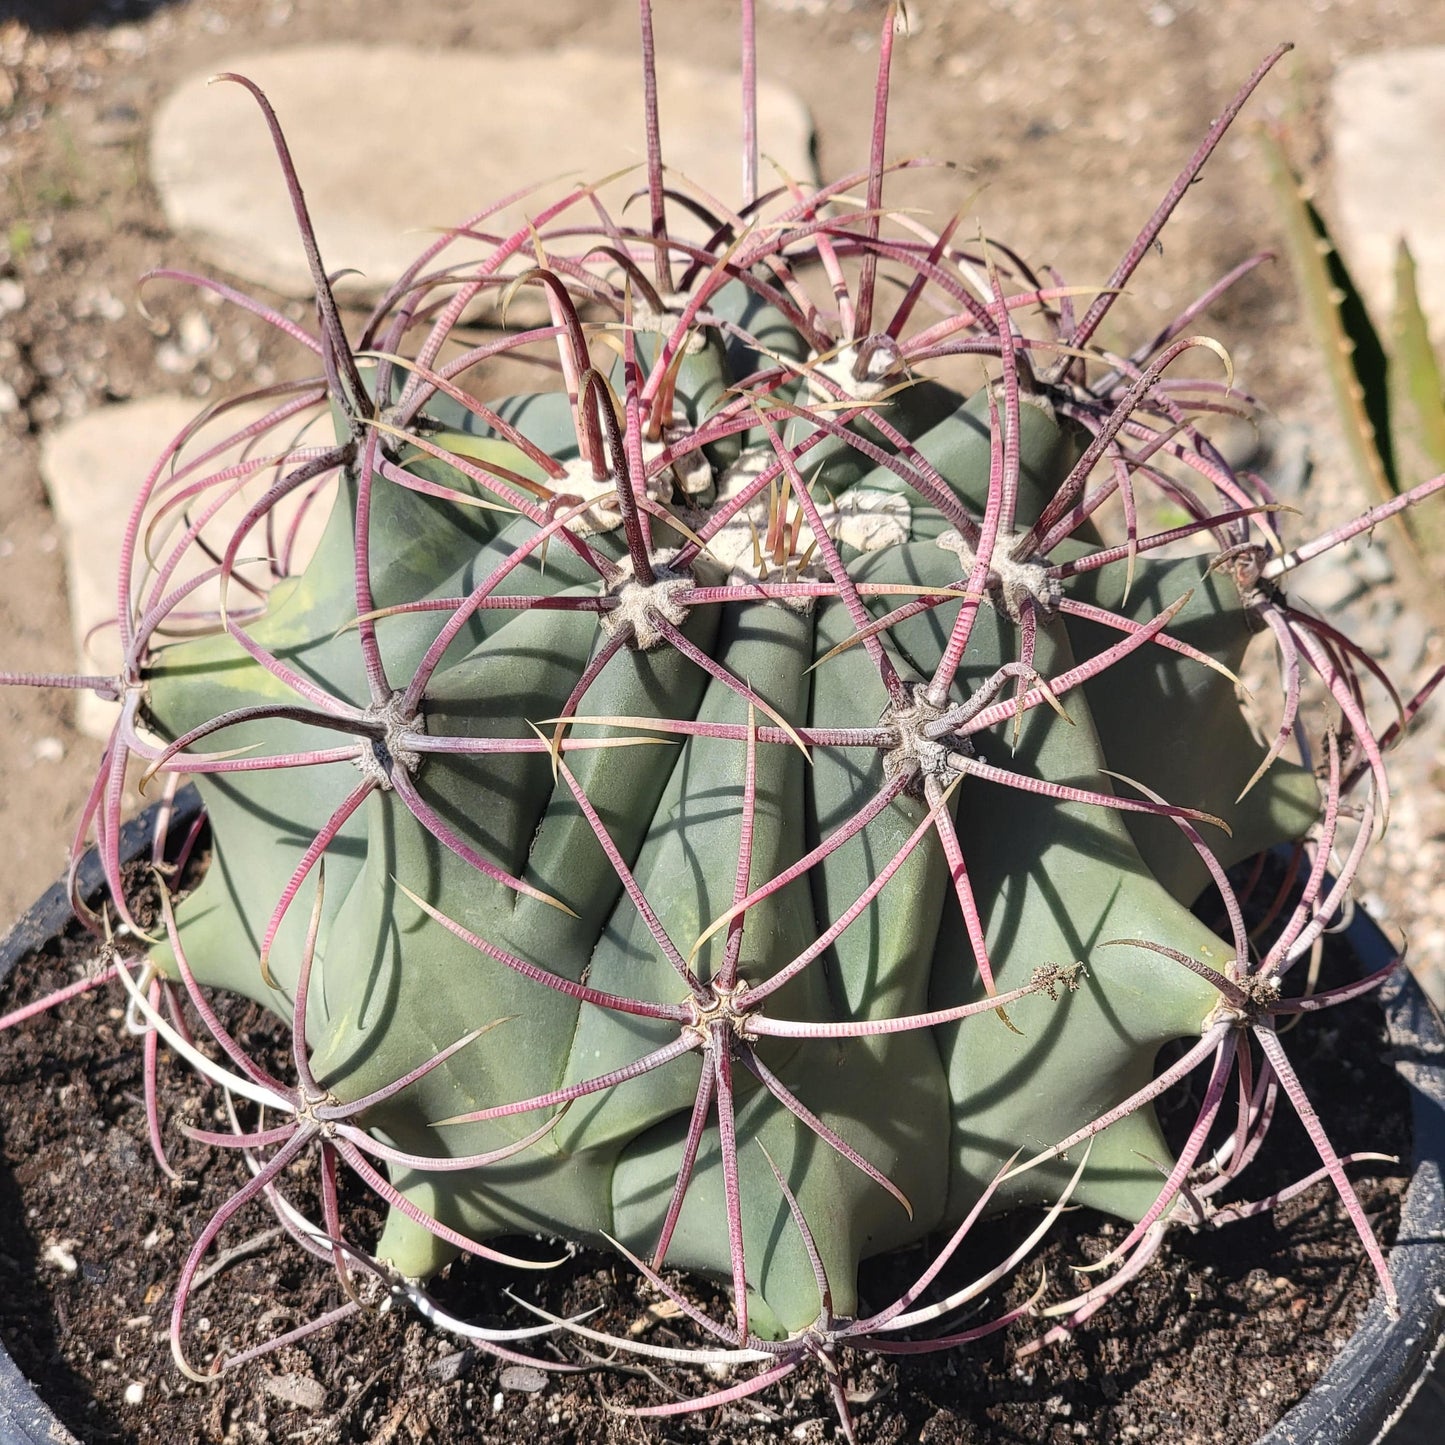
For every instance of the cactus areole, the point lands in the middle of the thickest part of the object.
(739, 803)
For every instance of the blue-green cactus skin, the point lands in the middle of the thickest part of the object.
(937, 1110)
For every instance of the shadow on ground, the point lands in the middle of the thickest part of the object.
(62, 15)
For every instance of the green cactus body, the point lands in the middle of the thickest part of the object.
(934, 1109)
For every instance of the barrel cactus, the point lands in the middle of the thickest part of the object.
(739, 805)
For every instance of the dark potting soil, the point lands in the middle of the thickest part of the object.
(1212, 1345)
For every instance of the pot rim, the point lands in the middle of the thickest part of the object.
(1373, 1379)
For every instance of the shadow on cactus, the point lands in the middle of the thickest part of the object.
(738, 805)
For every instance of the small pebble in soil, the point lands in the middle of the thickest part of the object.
(59, 1253)
(524, 1378)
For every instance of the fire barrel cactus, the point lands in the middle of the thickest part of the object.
(741, 803)
(792, 782)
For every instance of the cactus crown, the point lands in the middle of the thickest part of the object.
(740, 803)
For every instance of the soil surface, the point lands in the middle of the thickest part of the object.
(1209, 1347)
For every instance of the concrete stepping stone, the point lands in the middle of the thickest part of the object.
(393, 144)
(93, 468)
(1387, 135)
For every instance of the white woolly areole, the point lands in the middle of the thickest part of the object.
(640, 605)
(914, 753)
(376, 757)
(1010, 584)
(865, 519)
(663, 323)
(868, 520)
(605, 513)
(880, 371)
(690, 473)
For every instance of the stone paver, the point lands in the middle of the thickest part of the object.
(1387, 135)
(392, 142)
(93, 468)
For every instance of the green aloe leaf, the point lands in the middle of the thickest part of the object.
(1351, 347)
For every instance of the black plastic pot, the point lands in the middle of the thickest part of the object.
(24, 1418)
(1369, 1393)
(1364, 1398)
